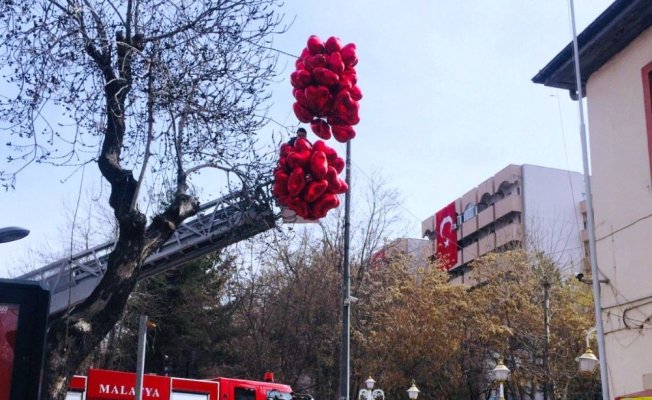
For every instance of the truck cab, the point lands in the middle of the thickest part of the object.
(240, 389)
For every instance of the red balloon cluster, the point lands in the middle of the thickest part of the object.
(325, 88)
(306, 178)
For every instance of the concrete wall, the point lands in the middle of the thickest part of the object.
(623, 209)
(553, 220)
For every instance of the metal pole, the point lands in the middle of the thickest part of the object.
(346, 286)
(140, 361)
(546, 338)
(604, 379)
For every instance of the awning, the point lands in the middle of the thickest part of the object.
(643, 395)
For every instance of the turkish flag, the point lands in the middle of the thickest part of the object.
(446, 250)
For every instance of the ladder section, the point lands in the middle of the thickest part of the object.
(219, 223)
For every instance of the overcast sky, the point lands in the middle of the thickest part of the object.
(448, 102)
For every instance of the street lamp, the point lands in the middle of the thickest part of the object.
(11, 233)
(413, 391)
(501, 373)
(588, 361)
(370, 393)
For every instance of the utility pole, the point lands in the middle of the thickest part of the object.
(546, 337)
(346, 286)
(140, 363)
(595, 273)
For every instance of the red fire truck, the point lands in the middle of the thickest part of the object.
(116, 385)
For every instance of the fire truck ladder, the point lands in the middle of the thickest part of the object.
(219, 223)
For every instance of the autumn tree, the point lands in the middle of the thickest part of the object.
(407, 327)
(287, 316)
(512, 290)
(147, 89)
(411, 323)
(289, 292)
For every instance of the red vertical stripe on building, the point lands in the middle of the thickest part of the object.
(446, 236)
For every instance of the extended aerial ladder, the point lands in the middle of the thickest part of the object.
(219, 223)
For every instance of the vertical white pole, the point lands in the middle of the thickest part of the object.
(595, 273)
(346, 287)
(140, 363)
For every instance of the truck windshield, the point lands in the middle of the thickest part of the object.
(278, 395)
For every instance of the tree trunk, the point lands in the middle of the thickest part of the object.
(73, 336)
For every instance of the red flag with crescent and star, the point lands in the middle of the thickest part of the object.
(446, 250)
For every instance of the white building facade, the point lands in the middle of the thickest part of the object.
(616, 59)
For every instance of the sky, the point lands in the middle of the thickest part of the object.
(448, 102)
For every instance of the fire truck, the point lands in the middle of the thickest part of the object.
(116, 385)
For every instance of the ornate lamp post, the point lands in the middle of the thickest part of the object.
(413, 391)
(588, 361)
(370, 393)
(501, 373)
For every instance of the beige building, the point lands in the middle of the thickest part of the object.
(521, 206)
(419, 250)
(616, 65)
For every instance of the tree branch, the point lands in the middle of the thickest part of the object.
(150, 132)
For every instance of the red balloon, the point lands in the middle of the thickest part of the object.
(300, 78)
(319, 100)
(302, 144)
(348, 78)
(338, 164)
(356, 93)
(333, 44)
(345, 109)
(302, 113)
(315, 45)
(343, 186)
(321, 129)
(325, 76)
(285, 149)
(343, 133)
(348, 55)
(314, 61)
(299, 206)
(335, 62)
(300, 95)
(333, 180)
(330, 152)
(298, 159)
(280, 185)
(296, 181)
(318, 164)
(327, 202)
(315, 190)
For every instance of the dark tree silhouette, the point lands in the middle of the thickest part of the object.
(158, 87)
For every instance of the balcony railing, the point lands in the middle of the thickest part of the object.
(512, 203)
(509, 233)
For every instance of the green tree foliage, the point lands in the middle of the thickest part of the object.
(192, 321)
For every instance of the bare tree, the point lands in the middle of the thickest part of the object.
(160, 87)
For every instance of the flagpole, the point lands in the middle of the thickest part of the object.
(595, 278)
(346, 287)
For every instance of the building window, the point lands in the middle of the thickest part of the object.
(469, 211)
(646, 74)
(242, 393)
